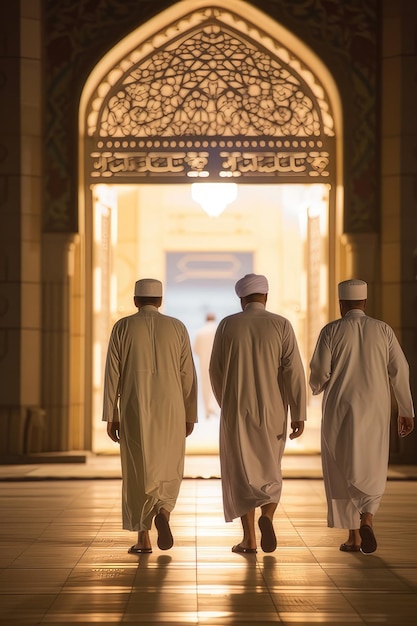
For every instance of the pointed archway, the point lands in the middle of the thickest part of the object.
(209, 96)
(201, 93)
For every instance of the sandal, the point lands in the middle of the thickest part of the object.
(241, 550)
(368, 544)
(348, 547)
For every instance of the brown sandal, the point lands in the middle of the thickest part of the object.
(241, 550)
(368, 544)
(268, 537)
(165, 539)
(347, 547)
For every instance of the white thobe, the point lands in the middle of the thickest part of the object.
(354, 361)
(202, 347)
(256, 372)
(150, 379)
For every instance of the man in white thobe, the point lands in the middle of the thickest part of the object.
(150, 406)
(203, 344)
(256, 372)
(355, 359)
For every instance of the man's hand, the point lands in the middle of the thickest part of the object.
(405, 425)
(189, 427)
(113, 431)
(297, 429)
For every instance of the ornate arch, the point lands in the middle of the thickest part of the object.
(210, 96)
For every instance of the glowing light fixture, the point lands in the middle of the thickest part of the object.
(214, 197)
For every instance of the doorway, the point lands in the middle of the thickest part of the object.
(161, 232)
(256, 109)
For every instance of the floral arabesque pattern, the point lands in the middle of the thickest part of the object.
(212, 83)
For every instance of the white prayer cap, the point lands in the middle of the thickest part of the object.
(148, 287)
(353, 290)
(251, 283)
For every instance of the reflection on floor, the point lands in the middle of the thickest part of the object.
(63, 559)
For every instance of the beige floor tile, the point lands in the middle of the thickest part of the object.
(64, 560)
(32, 581)
(385, 608)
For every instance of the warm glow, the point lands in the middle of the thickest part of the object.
(283, 227)
(292, 230)
(113, 292)
(97, 284)
(214, 197)
(97, 373)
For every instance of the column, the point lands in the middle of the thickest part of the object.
(398, 189)
(59, 361)
(21, 414)
(362, 261)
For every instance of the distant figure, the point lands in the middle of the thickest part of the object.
(150, 406)
(203, 344)
(355, 360)
(256, 371)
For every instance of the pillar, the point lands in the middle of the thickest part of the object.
(399, 189)
(62, 363)
(361, 260)
(21, 414)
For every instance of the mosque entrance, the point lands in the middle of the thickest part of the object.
(210, 147)
(280, 231)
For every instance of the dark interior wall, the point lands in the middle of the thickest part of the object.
(10, 205)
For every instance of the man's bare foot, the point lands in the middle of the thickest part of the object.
(344, 547)
(247, 543)
(366, 519)
(241, 549)
(353, 542)
(354, 538)
(165, 512)
(143, 546)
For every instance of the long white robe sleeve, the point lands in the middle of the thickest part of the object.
(150, 375)
(256, 373)
(354, 361)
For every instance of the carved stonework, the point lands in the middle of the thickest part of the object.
(78, 34)
(214, 82)
(239, 109)
(264, 161)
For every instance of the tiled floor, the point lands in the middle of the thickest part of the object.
(63, 560)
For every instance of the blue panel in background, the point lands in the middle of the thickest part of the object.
(201, 282)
